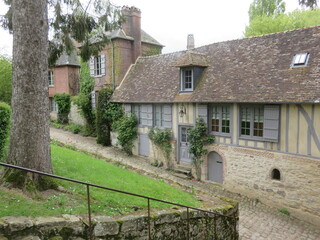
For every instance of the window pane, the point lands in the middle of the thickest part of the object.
(187, 79)
(245, 121)
(98, 65)
(258, 122)
(225, 119)
(183, 135)
(215, 119)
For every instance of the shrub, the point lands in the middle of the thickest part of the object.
(84, 100)
(75, 128)
(198, 138)
(162, 139)
(5, 79)
(64, 105)
(103, 125)
(5, 115)
(127, 132)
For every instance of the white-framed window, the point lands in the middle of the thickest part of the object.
(252, 121)
(50, 79)
(186, 79)
(53, 105)
(260, 122)
(300, 60)
(97, 65)
(220, 119)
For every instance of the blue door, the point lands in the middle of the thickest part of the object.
(184, 154)
(215, 167)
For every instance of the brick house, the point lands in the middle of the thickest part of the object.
(127, 44)
(111, 64)
(260, 98)
(63, 78)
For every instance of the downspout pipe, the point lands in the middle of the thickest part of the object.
(113, 75)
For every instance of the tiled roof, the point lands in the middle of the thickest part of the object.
(65, 59)
(119, 33)
(146, 38)
(191, 58)
(256, 69)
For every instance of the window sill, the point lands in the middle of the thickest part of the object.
(220, 134)
(186, 92)
(51, 86)
(261, 139)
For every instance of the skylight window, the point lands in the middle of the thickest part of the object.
(300, 59)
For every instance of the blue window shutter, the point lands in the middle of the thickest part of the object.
(167, 116)
(271, 123)
(146, 114)
(127, 108)
(158, 115)
(91, 66)
(203, 112)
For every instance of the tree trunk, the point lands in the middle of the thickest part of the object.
(30, 136)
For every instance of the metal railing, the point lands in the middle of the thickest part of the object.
(88, 185)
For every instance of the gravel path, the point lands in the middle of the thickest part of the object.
(257, 221)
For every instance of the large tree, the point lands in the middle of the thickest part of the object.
(30, 139)
(28, 19)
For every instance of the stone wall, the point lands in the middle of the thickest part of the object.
(166, 224)
(248, 171)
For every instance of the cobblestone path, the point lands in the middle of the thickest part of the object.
(257, 221)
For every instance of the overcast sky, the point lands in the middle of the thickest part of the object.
(170, 21)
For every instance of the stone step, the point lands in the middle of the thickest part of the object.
(181, 175)
(183, 171)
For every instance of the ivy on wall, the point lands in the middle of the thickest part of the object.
(198, 137)
(162, 139)
(127, 132)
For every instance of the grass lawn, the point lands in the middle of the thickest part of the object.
(72, 164)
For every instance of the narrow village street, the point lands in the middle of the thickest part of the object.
(257, 221)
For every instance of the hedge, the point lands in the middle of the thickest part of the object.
(5, 116)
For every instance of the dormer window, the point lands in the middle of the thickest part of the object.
(186, 79)
(300, 60)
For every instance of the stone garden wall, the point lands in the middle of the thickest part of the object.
(164, 225)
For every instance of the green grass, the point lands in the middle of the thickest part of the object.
(72, 164)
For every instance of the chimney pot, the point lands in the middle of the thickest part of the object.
(190, 42)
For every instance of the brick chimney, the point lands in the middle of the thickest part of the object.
(190, 42)
(132, 28)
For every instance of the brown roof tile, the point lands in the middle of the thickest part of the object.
(191, 58)
(253, 69)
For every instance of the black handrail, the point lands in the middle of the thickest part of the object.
(114, 190)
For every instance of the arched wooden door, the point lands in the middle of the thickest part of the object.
(215, 167)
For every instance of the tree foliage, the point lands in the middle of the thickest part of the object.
(84, 100)
(283, 22)
(5, 79)
(198, 137)
(309, 3)
(72, 22)
(268, 8)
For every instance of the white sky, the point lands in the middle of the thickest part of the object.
(170, 21)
